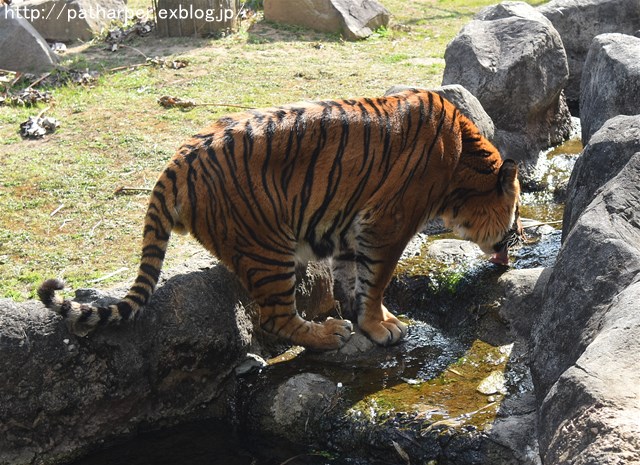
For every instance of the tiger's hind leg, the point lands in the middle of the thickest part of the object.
(273, 289)
(375, 266)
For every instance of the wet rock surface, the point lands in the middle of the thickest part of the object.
(458, 390)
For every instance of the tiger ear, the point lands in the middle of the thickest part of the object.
(507, 177)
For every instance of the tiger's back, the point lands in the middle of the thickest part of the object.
(348, 179)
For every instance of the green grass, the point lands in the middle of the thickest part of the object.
(115, 134)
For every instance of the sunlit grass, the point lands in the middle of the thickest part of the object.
(59, 215)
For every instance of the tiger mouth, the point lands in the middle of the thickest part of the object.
(512, 239)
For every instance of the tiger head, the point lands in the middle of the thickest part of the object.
(489, 216)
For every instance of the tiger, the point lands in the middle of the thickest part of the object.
(348, 180)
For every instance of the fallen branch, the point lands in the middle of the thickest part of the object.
(121, 68)
(122, 190)
(159, 62)
(39, 80)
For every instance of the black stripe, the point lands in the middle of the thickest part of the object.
(303, 324)
(366, 125)
(473, 139)
(192, 176)
(140, 302)
(267, 260)
(333, 183)
(307, 187)
(141, 290)
(174, 182)
(124, 309)
(404, 110)
(151, 270)
(163, 204)
(191, 155)
(437, 134)
(158, 227)
(284, 325)
(104, 313)
(153, 251)
(272, 320)
(273, 278)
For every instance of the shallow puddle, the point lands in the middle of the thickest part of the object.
(467, 392)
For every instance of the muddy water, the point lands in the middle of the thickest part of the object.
(446, 374)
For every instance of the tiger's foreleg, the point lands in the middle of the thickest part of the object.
(375, 268)
(273, 289)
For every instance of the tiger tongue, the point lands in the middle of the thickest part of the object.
(501, 257)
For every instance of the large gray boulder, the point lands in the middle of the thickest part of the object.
(353, 19)
(22, 48)
(586, 337)
(71, 20)
(512, 59)
(579, 21)
(607, 152)
(610, 81)
(464, 100)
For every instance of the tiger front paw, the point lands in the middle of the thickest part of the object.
(385, 332)
(331, 334)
